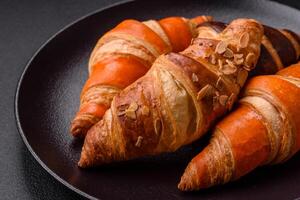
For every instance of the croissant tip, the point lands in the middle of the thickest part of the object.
(80, 126)
(184, 185)
(77, 132)
(83, 161)
(181, 186)
(86, 159)
(81, 164)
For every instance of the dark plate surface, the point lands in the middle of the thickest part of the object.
(48, 96)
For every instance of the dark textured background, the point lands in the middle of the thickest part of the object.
(24, 27)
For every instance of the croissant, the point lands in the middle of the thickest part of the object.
(263, 130)
(280, 47)
(178, 99)
(123, 55)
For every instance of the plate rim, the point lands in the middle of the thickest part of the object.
(28, 64)
(17, 96)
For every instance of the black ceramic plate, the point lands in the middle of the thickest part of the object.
(48, 96)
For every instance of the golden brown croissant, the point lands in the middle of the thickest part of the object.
(178, 99)
(123, 55)
(280, 47)
(264, 129)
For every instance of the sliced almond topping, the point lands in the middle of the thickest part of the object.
(139, 141)
(220, 63)
(133, 106)
(231, 97)
(229, 68)
(204, 92)
(221, 47)
(130, 114)
(242, 77)
(121, 109)
(230, 101)
(228, 53)
(250, 60)
(121, 112)
(219, 82)
(213, 59)
(247, 68)
(195, 77)
(238, 61)
(238, 55)
(219, 73)
(145, 110)
(223, 100)
(230, 63)
(244, 40)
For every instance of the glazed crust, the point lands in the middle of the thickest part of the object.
(263, 130)
(178, 99)
(124, 54)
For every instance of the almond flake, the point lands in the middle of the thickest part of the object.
(238, 55)
(219, 82)
(121, 109)
(120, 113)
(223, 100)
(139, 141)
(145, 110)
(242, 77)
(238, 61)
(204, 92)
(133, 106)
(221, 47)
(244, 40)
(250, 59)
(228, 53)
(230, 63)
(195, 77)
(220, 63)
(230, 101)
(213, 59)
(130, 114)
(247, 68)
(219, 73)
(229, 68)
